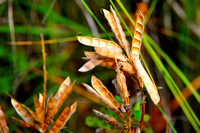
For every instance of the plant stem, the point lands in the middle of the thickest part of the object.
(44, 69)
(142, 117)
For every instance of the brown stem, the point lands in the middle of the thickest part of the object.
(142, 117)
(129, 121)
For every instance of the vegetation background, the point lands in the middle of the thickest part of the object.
(173, 25)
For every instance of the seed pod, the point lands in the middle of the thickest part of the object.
(90, 64)
(3, 125)
(99, 43)
(23, 112)
(151, 88)
(108, 119)
(110, 53)
(137, 40)
(114, 22)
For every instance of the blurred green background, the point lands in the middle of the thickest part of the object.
(174, 25)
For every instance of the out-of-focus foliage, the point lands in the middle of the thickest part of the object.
(173, 25)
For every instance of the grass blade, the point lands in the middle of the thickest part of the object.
(173, 87)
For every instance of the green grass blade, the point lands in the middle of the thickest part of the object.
(181, 38)
(174, 67)
(173, 87)
(120, 17)
(126, 12)
(150, 11)
(166, 118)
(99, 23)
(176, 87)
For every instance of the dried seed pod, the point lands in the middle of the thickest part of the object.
(109, 63)
(41, 99)
(103, 91)
(90, 64)
(23, 111)
(151, 88)
(109, 119)
(137, 40)
(100, 43)
(56, 102)
(90, 54)
(63, 87)
(40, 114)
(125, 66)
(3, 125)
(110, 53)
(114, 22)
(27, 125)
(60, 121)
(121, 80)
(114, 81)
(106, 100)
(63, 118)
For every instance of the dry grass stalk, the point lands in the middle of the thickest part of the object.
(109, 54)
(44, 113)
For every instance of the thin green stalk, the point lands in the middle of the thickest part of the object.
(176, 87)
(150, 11)
(126, 12)
(181, 38)
(120, 17)
(99, 23)
(171, 84)
(174, 67)
(166, 118)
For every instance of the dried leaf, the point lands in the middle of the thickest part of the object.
(109, 119)
(137, 40)
(151, 88)
(99, 43)
(3, 125)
